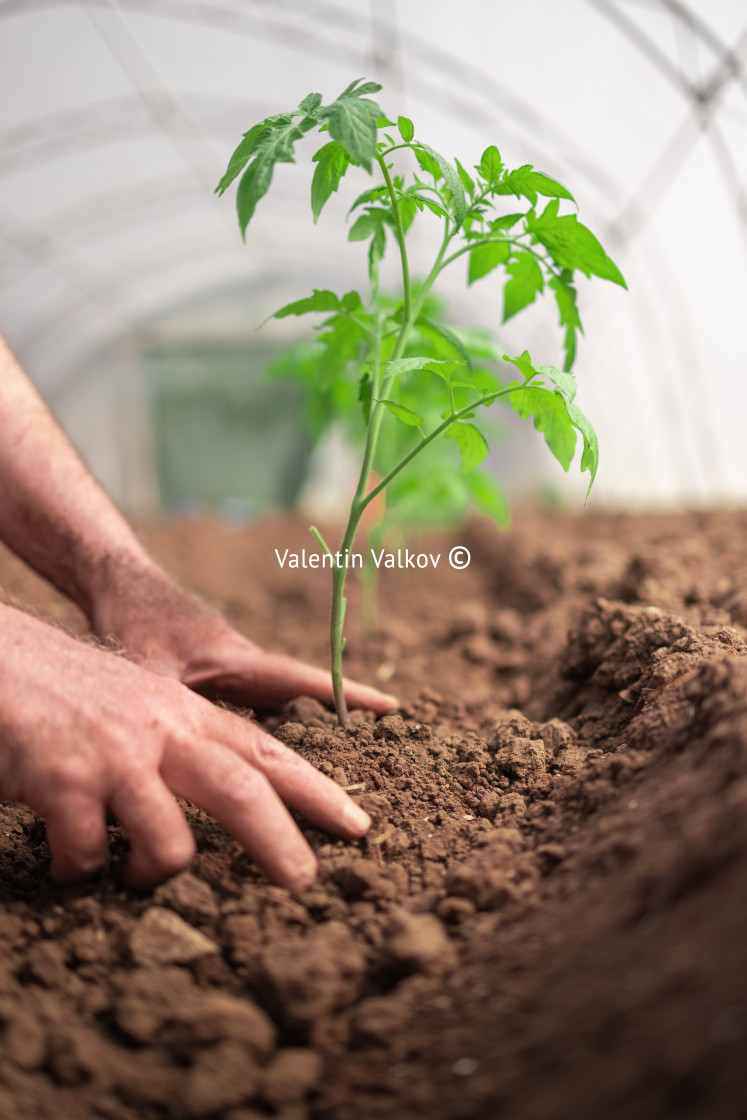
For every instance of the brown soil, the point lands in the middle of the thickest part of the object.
(549, 917)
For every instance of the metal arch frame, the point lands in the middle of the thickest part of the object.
(178, 126)
(224, 16)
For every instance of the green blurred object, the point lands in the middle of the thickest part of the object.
(224, 436)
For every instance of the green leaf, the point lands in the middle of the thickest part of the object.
(240, 157)
(572, 245)
(490, 165)
(332, 161)
(321, 300)
(310, 103)
(253, 185)
(527, 182)
(273, 144)
(373, 194)
(526, 281)
(444, 370)
(353, 121)
(427, 163)
(523, 363)
(506, 221)
(406, 130)
(429, 202)
(488, 497)
(367, 225)
(404, 415)
(404, 365)
(407, 211)
(376, 251)
(448, 336)
(565, 297)
(467, 181)
(484, 258)
(453, 182)
(561, 379)
(473, 447)
(550, 411)
(351, 301)
(590, 456)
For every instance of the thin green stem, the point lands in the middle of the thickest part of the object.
(502, 241)
(489, 398)
(400, 231)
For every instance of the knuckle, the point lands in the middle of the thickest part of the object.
(268, 751)
(245, 789)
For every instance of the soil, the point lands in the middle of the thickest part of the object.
(548, 918)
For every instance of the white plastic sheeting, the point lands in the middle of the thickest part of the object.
(117, 117)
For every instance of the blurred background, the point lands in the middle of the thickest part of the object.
(127, 294)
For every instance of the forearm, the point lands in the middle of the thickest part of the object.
(52, 513)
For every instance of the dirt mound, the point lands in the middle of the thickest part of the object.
(548, 917)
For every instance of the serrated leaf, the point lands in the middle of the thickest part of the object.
(367, 225)
(404, 415)
(240, 157)
(310, 103)
(490, 165)
(253, 185)
(561, 379)
(484, 258)
(523, 363)
(473, 447)
(273, 144)
(444, 370)
(526, 281)
(527, 182)
(332, 161)
(590, 456)
(573, 246)
(453, 182)
(353, 121)
(549, 408)
(321, 300)
(489, 498)
(406, 130)
(565, 297)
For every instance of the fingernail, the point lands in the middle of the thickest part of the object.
(356, 819)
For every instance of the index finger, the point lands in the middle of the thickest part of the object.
(278, 678)
(299, 784)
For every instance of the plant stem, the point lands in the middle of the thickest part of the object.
(489, 398)
(359, 502)
(400, 231)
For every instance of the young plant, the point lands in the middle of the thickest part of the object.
(389, 354)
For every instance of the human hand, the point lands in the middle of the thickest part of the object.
(83, 731)
(166, 630)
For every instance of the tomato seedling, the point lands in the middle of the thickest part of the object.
(378, 350)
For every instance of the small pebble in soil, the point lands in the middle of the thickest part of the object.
(464, 1067)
